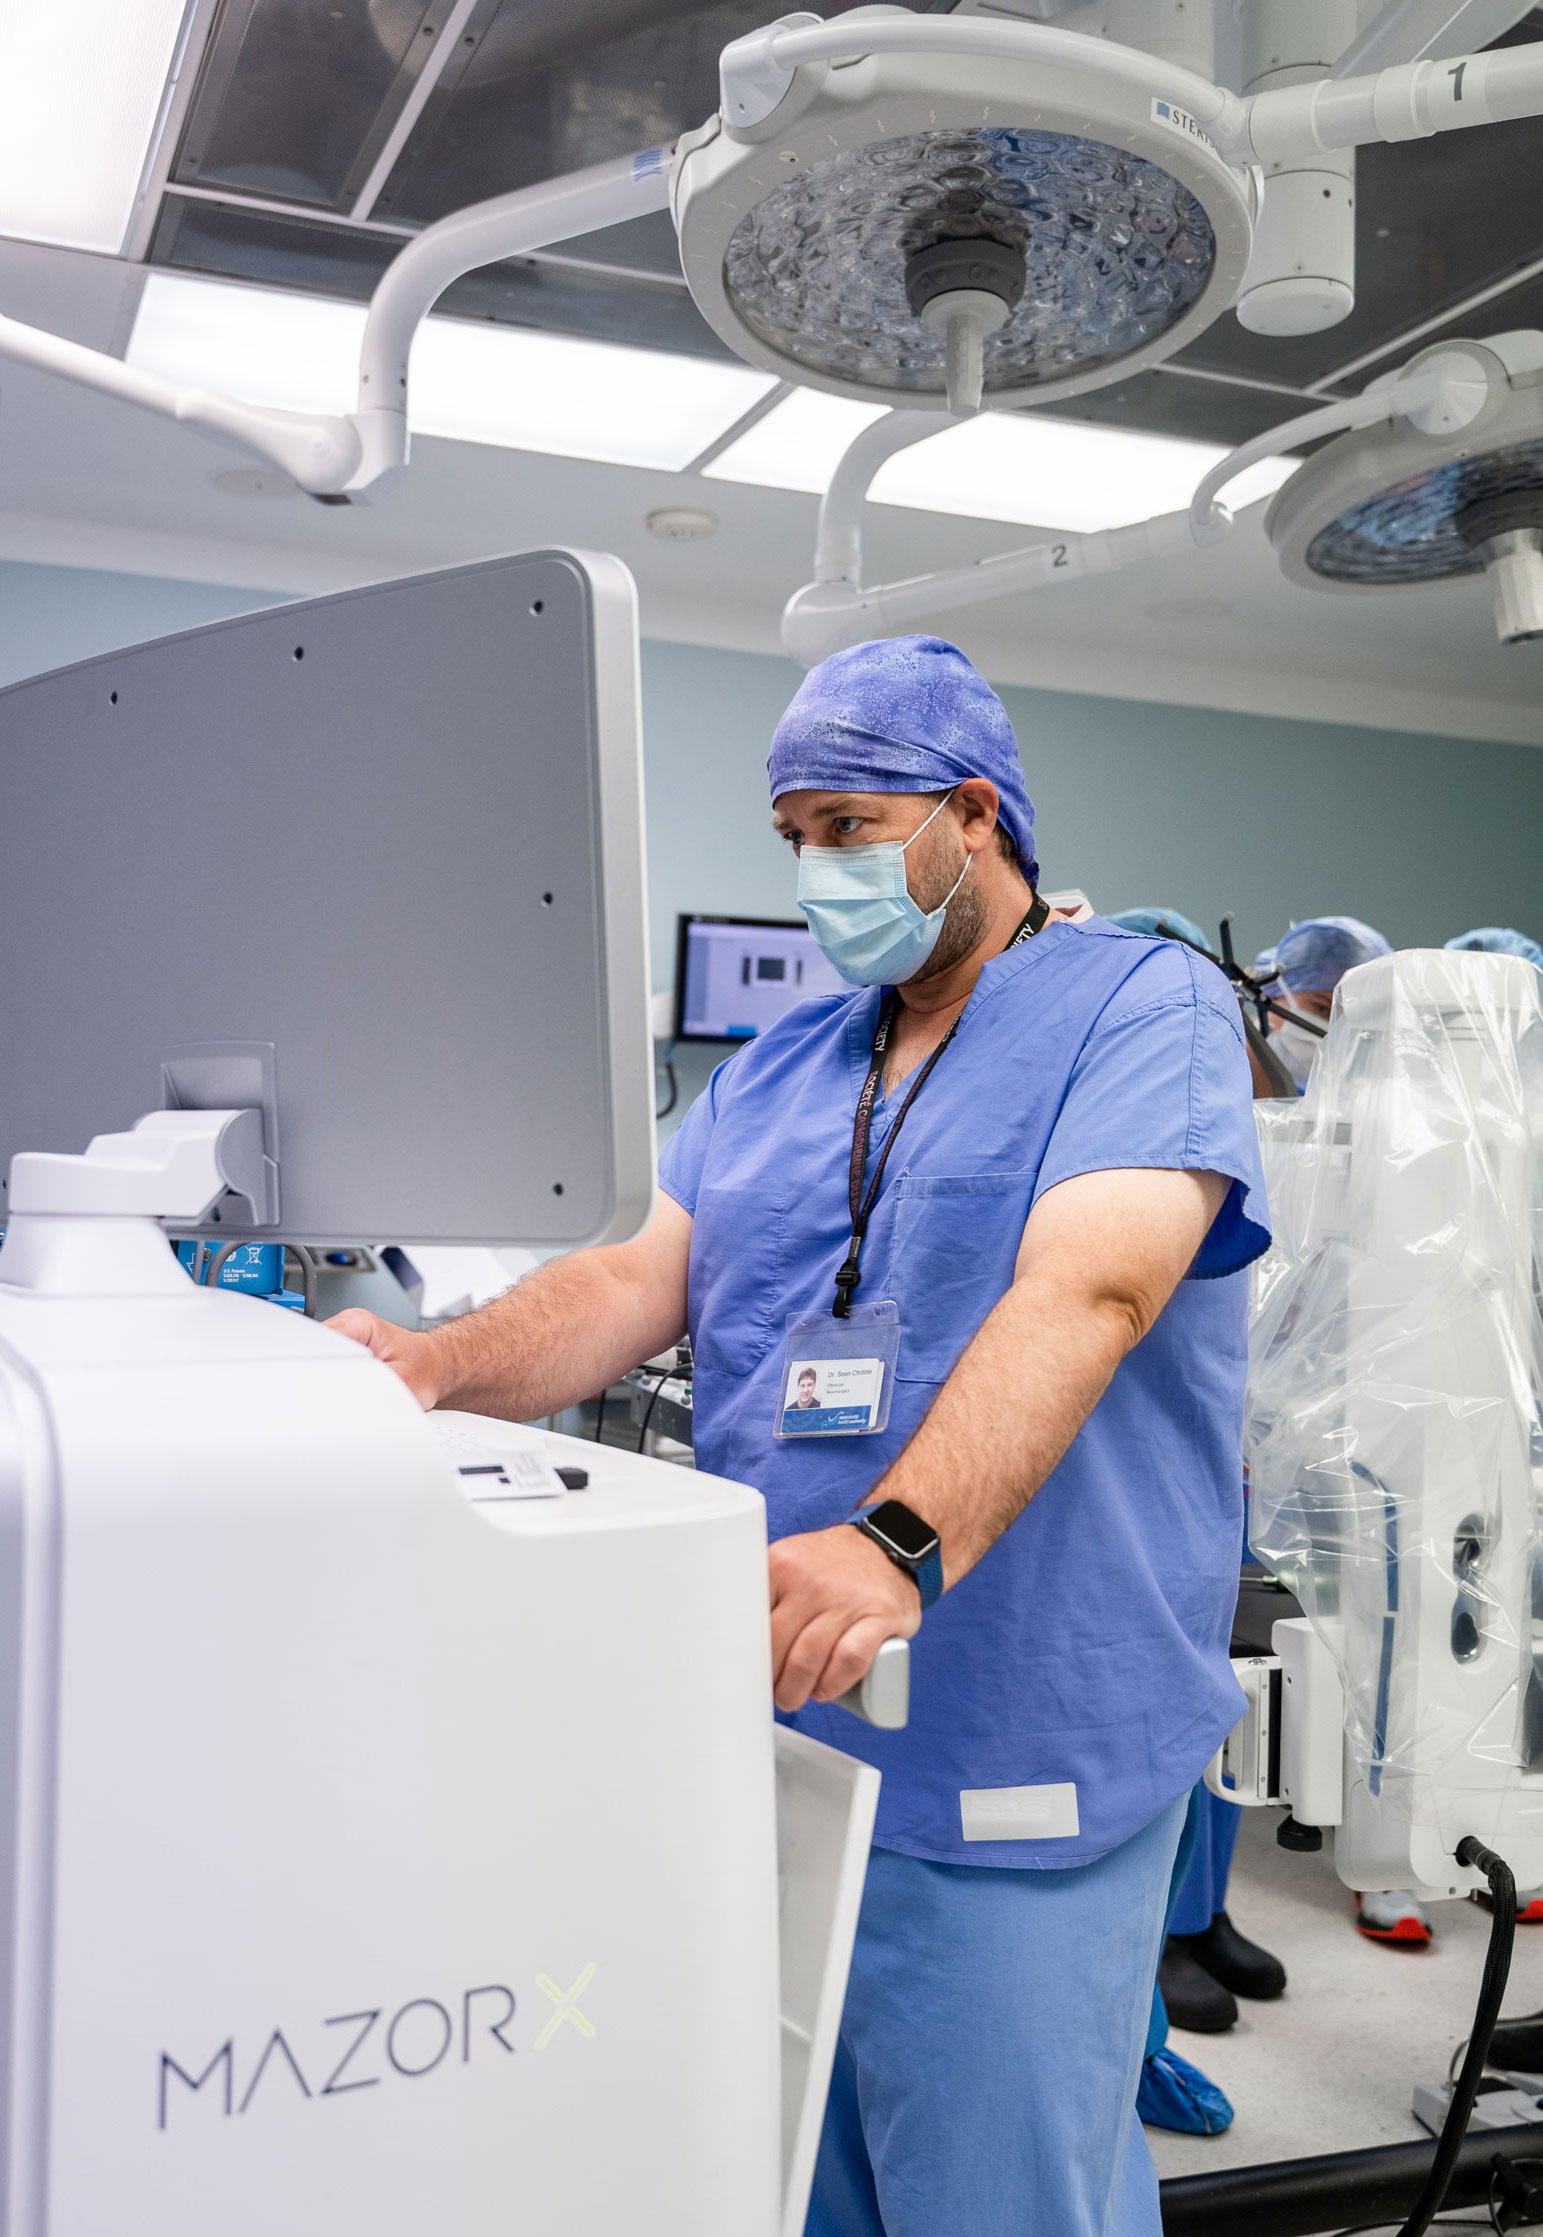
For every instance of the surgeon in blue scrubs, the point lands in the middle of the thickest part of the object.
(999, 1198)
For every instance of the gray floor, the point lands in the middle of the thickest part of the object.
(1333, 2065)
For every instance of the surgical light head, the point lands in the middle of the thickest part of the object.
(1401, 504)
(905, 227)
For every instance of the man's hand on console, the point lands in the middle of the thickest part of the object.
(835, 1599)
(414, 1357)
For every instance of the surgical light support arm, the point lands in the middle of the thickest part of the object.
(510, 225)
(318, 451)
(822, 617)
(1446, 393)
(838, 551)
(329, 455)
(1285, 124)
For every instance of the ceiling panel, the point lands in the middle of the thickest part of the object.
(233, 241)
(296, 98)
(554, 85)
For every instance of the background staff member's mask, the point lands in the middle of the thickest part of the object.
(1296, 1047)
(860, 909)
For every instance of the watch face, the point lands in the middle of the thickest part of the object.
(911, 1538)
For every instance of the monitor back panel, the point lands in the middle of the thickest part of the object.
(395, 834)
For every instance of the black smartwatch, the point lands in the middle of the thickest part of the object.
(912, 1545)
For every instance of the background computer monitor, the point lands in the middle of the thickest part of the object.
(735, 976)
(373, 860)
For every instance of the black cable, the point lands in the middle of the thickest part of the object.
(1510, 2172)
(653, 1400)
(600, 1414)
(668, 1061)
(1497, 1967)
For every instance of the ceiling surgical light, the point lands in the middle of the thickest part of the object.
(845, 151)
(1404, 503)
(909, 227)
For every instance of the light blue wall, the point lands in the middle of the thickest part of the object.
(50, 616)
(1422, 836)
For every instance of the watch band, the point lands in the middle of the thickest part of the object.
(925, 1567)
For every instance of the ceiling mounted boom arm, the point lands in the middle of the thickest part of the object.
(318, 451)
(333, 456)
(511, 225)
(1408, 101)
(838, 548)
(1444, 393)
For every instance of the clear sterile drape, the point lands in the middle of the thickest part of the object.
(1393, 1441)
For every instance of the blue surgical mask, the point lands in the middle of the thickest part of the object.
(860, 910)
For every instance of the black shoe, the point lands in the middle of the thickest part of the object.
(1229, 1957)
(1195, 2001)
(1518, 2045)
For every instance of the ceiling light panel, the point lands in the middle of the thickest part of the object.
(798, 445)
(507, 386)
(1036, 472)
(81, 93)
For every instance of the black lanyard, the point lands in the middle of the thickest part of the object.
(862, 1205)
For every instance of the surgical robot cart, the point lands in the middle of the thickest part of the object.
(1394, 1441)
(391, 1831)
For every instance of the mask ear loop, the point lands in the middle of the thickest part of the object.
(921, 827)
(968, 857)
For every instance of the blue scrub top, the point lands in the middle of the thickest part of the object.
(1090, 1646)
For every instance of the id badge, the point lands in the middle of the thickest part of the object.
(837, 1375)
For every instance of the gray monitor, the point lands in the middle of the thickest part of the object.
(373, 862)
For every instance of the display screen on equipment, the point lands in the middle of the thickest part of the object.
(735, 976)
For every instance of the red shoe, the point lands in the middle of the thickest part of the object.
(1392, 1917)
(1529, 1905)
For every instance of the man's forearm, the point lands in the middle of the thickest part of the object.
(1028, 1381)
(564, 1332)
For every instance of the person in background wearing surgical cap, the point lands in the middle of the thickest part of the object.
(1499, 939)
(1310, 961)
(1002, 1194)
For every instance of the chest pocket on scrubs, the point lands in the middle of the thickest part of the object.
(739, 1244)
(956, 1243)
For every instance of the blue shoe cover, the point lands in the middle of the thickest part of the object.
(1173, 2094)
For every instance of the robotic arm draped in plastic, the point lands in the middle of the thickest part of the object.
(1393, 1433)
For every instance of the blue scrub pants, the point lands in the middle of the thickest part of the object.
(995, 2023)
(1203, 1890)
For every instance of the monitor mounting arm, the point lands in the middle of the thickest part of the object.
(88, 1225)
